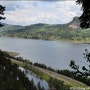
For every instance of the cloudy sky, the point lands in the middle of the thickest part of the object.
(31, 12)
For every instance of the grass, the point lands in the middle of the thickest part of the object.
(72, 82)
(33, 69)
(17, 62)
(12, 53)
(45, 76)
(76, 41)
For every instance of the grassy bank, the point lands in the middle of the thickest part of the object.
(46, 75)
(75, 41)
(12, 53)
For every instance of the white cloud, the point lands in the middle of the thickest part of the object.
(30, 12)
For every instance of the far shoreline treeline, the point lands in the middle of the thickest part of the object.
(70, 32)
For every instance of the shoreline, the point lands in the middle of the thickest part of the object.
(59, 40)
(77, 42)
(46, 74)
(14, 54)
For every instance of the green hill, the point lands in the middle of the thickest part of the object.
(69, 31)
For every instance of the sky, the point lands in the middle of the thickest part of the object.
(28, 12)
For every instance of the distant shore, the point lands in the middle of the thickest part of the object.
(12, 53)
(59, 40)
(76, 41)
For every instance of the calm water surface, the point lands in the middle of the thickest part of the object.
(36, 79)
(52, 53)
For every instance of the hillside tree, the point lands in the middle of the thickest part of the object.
(84, 71)
(2, 9)
(85, 17)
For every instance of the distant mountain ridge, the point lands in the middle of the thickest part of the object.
(75, 21)
(69, 31)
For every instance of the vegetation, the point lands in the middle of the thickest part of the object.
(68, 73)
(85, 17)
(47, 75)
(78, 75)
(56, 86)
(84, 74)
(29, 65)
(43, 66)
(14, 79)
(2, 9)
(59, 85)
(70, 31)
(11, 77)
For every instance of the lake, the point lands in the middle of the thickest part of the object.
(35, 78)
(56, 54)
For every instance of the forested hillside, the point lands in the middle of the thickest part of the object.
(69, 31)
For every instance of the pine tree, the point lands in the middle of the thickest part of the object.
(2, 9)
(85, 17)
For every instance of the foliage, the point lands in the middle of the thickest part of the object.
(85, 17)
(84, 74)
(59, 85)
(43, 66)
(69, 31)
(66, 73)
(11, 77)
(28, 65)
(2, 9)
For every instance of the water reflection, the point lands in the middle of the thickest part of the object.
(35, 78)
